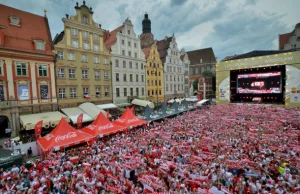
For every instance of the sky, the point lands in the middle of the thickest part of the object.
(228, 26)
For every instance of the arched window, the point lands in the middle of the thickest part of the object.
(85, 19)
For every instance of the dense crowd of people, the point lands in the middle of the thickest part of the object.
(223, 149)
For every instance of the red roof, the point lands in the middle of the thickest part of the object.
(102, 127)
(64, 135)
(111, 37)
(32, 27)
(128, 119)
(283, 38)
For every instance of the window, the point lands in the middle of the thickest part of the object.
(84, 73)
(135, 55)
(96, 59)
(152, 91)
(143, 91)
(106, 61)
(62, 92)
(106, 91)
(85, 34)
(60, 55)
(124, 77)
(142, 78)
(148, 92)
(85, 19)
(71, 56)
(123, 52)
(74, 43)
(60, 73)
(159, 83)
(128, 31)
(117, 62)
(134, 45)
(21, 69)
(125, 92)
(123, 42)
(148, 82)
(97, 74)
(167, 88)
(130, 64)
(171, 87)
(124, 64)
(142, 66)
(118, 92)
(167, 78)
(96, 47)
(72, 92)
(159, 92)
(136, 65)
(0, 70)
(74, 32)
(137, 77)
(72, 73)
(117, 77)
(86, 46)
(96, 37)
(84, 58)
(105, 75)
(130, 78)
(129, 43)
(98, 92)
(40, 45)
(137, 91)
(43, 69)
(85, 91)
(178, 87)
(129, 53)
(131, 91)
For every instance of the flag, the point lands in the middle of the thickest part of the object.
(107, 114)
(132, 109)
(199, 99)
(79, 121)
(38, 129)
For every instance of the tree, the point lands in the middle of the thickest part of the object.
(195, 85)
(207, 73)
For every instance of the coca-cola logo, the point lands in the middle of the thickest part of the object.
(49, 136)
(121, 120)
(108, 126)
(133, 120)
(92, 127)
(69, 135)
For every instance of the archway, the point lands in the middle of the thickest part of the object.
(3, 125)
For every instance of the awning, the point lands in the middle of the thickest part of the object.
(73, 114)
(191, 99)
(142, 103)
(123, 104)
(177, 100)
(201, 102)
(48, 118)
(107, 106)
(91, 109)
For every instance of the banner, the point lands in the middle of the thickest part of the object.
(44, 91)
(38, 129)
(107, 114)
(132, 109)
(79, 121)
(23, 92)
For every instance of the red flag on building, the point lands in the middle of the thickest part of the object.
(79, 121)
(38, 129)
(107, 114)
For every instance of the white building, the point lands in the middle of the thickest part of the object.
(173, 68)
(128, 60)
(186, 63)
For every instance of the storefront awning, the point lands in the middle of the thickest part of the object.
(73, 114)
(107, 106)
(142, 103)
(91, 109)
(48, 118)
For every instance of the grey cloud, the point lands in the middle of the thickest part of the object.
(177, 2)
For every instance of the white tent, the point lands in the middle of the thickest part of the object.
(73, 114)
(200, 103)
(91, 109)
(177, 100)
(107, 106)
(142, 103)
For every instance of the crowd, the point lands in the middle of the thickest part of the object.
(224, 149)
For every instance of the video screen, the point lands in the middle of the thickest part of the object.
(259, 83)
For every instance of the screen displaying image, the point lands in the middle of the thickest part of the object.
(259, 83)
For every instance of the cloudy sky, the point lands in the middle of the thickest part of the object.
(228, 26)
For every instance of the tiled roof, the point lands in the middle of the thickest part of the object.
(111, 37)
(258, 54)
(32, 27)
(283, 38)
(146, 51)
(162, 47)
(207, 55)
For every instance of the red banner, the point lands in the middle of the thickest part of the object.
(132, 109)
(79, 121)
(38, 129)
(107, 114)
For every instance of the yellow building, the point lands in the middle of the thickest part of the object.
(154, 75)
(83, 67)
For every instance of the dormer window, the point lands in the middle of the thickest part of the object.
(15, 21)
(85, 19)
(39, 45)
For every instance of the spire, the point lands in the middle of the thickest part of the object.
(45, 12)
(146, 24)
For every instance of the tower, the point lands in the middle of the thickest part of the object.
(147, 38)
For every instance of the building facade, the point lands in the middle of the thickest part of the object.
(202, 61)
(186, 64)
(173, 68)
(83, 67)
(27, 75)
(154, 75)
(290, 41)
(128, 61)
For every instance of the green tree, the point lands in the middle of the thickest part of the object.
(195, 85)
(207, 73)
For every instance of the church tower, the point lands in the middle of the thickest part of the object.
(147, 38)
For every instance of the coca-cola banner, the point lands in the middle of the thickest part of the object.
(38, 129)
(67, 136)
(79, 121)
